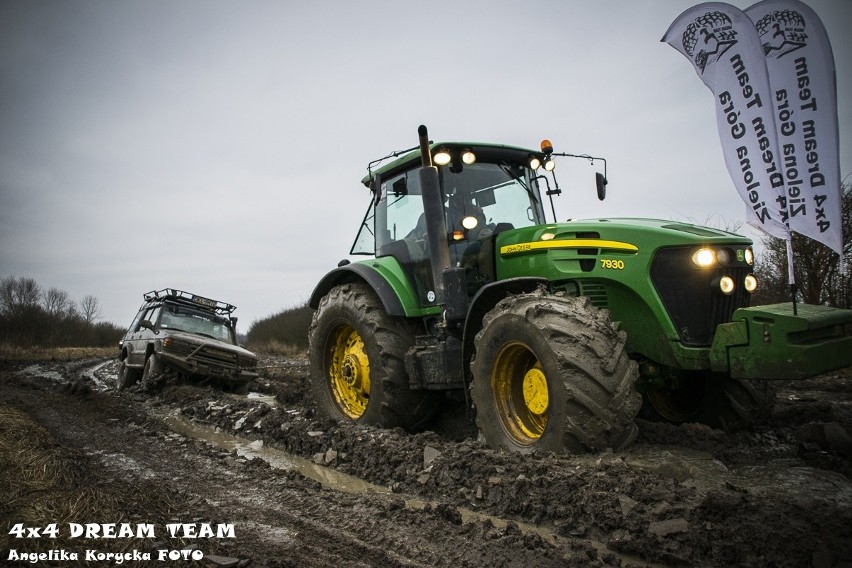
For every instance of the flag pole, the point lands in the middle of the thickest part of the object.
(791, 276)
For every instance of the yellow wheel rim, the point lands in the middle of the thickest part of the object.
(521, 394)
(349, 372)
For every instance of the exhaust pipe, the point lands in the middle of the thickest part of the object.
(444, 277)
(433, 209)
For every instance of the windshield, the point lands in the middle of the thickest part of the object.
(194, 321)
(500, 195)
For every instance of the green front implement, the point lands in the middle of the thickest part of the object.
(771, 342)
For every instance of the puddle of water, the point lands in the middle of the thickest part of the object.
(260, 397)
(274, 457)
(91, 373)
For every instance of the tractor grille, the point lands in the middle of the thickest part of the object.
(694, 304)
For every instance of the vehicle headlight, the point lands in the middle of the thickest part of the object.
(750, 283)
(726, 285)
(749, 256)
(704, 257)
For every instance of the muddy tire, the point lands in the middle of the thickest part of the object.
(152, 372)
(357, 357)
(550, 373)
(126, 377)
(715, 400)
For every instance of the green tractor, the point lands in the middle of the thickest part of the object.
(558, 334)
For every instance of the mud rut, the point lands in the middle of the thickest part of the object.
(778, 495)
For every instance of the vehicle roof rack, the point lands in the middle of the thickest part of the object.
(189, 298)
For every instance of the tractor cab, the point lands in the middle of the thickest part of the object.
(485, 189)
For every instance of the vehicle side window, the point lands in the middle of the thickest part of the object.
(134, 325)
(154, 315)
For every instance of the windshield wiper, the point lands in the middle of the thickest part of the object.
(507, 169)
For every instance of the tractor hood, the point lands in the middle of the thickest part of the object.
(613, 235)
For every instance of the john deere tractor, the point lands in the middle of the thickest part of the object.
(558, 334)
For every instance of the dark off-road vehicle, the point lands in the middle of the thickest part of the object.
(176, 332)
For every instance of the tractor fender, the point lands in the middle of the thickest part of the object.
(485, 299)
(359, 272)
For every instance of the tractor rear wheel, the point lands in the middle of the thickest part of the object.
(715, 400)
(357, 356)
(550, 373)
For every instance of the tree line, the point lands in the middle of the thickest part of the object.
(819, 272)
(32, 316)
(285, 331)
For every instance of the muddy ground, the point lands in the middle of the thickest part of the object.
(302, 491)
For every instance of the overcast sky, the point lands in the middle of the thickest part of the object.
(218, 147)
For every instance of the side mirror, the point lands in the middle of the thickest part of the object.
(146, 324)
(600, 182)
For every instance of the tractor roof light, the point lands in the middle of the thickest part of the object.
(704, 257)
(534, 162)
(750, 283)
(549, 164)
(442, 157)
(468, 157)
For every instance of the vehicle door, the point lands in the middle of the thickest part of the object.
(141, 336)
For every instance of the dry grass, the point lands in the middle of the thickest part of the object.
(42, 482)
(15, 353)
(277, 348)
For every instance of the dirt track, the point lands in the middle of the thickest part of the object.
(780, 495)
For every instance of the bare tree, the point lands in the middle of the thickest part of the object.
(56, 301)
(817, 268)
(18, 294)
(90, 308)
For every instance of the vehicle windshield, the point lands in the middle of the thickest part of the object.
(195, 321)
(500, 195)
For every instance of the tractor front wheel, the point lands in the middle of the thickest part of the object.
(712, 399)
(550, 373)
(357, 356)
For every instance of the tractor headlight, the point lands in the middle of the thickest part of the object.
(726, 285)
(749, 256)
(470, 222)
(704, 257)
(750, 283)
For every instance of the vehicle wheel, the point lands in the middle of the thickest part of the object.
(126, 376)
(550, 373)
(357, 356)
(153, 371)
(712, 399)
